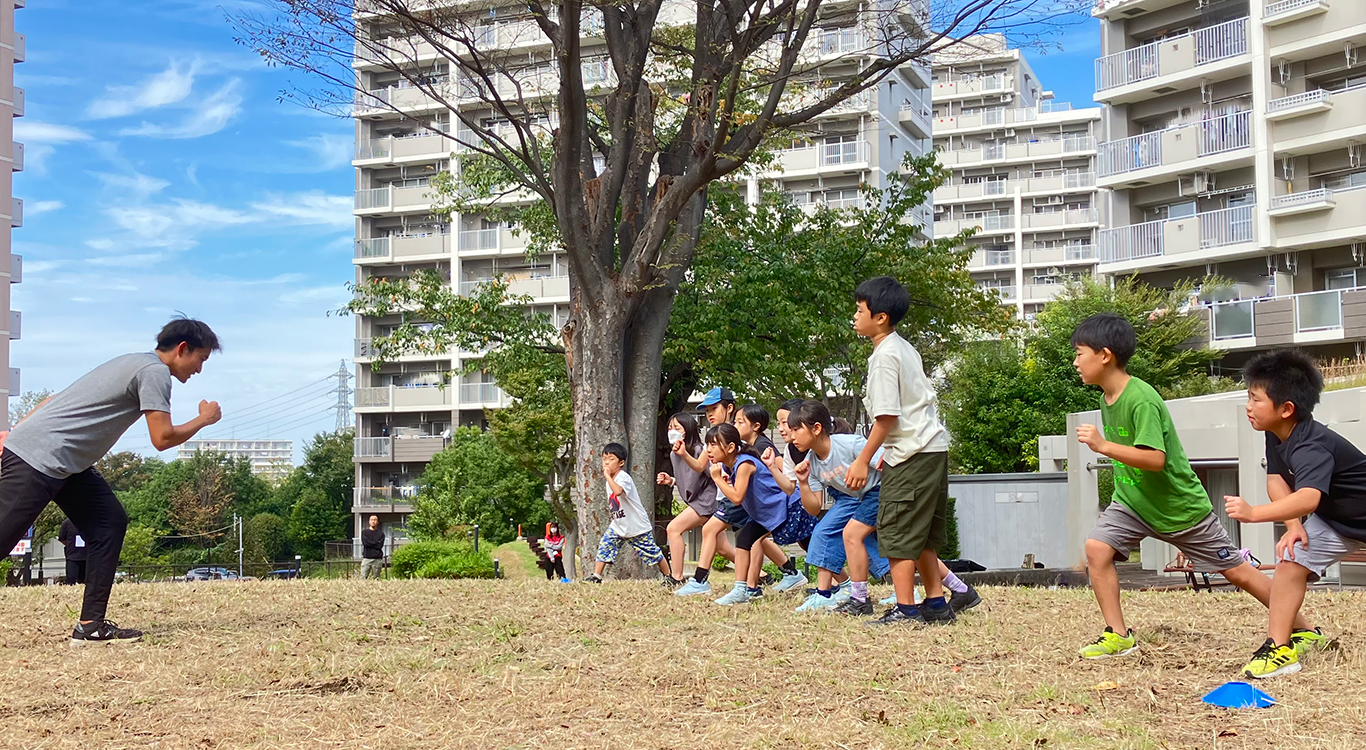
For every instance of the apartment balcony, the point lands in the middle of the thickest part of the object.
(1042, 292)
(384, 499)
(395, 398)
(1219, 142)
(1057, 256)
(985, 225)
(18, 100)
(389, 199)
(1018, 152)
(1307, 318)
(1118, 10)
(919, 73)
(1303, 29)
(16, 268)
(1001, 83)
(402, 96)
(1076, 217)
(1213, 53)
(403, 248)
(17, 161)
(1007, 293)
(916, 117)
(823, 45)
(1034, 186)
(1046, 112)
(398, 449)
(539, 288)
(1318, 218)
(1213, 235)
(365, 352)
(1317, 121)
(825, 157)
(16, 325)
(991, 258)
(20, 47)
(481, 395)
(16, 212)
(390, 51)
(421, 146)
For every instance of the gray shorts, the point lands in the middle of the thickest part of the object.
(1326, 548)
(1205, 544)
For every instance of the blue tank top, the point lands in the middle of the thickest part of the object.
(765, 501)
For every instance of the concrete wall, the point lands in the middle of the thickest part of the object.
(1003, 517)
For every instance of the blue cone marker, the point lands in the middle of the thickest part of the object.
(1238, 695)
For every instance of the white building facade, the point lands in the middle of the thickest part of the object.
(270, 459)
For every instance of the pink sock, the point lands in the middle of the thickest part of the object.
(858, 590)
(954, 583)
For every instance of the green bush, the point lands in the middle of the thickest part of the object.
(719, 563)
(410, 558)
(464, 564)
(951, 550)
(6, 565)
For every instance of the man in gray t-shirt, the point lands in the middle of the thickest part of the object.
(49, 455)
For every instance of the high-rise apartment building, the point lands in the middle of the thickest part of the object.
(1023, 172)
(1234, 147)
(404, 413)
(270, 459)
(12, 51)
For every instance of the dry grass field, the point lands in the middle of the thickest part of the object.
(434, 664)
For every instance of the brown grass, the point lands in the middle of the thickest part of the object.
(436, 664)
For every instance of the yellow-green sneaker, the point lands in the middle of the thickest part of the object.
(1110, 644)
(1272, 661)
(1305, 641)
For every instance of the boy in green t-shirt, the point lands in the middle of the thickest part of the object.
(1156, 492)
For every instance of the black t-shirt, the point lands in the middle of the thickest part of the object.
(67, 536)
(1315, 456)
(372, 543)
(762, 443)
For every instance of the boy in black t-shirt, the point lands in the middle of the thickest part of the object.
(1310, 471)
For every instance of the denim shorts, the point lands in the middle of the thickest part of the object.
(732, 514)
(827, 539)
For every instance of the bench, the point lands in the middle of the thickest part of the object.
(1182, 565)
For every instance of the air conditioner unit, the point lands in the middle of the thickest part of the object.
(1007, 97)
(1010, 132)
(1049, 201)
(1195, 184)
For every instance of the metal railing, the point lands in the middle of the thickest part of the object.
(844, 152)
(1080, 252)
(363, 348)
(999, 257)
(372, 397)
(1217, 135)
(1318, 311)
(478, 239)
(373, 198)
(1284, 6)
(374, 447)
(1231, 320)
(373, 247)
(1229, 226)
(1132, 242)
(479, 393)
(1212, 43)
(1077, 180)
(1298, 100)
(1301, 198)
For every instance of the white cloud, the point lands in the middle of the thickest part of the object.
(35, 208)
(310, 208)
(167, 87)
(329, 151)
(36, 131)
(136, 183)
(206, 117)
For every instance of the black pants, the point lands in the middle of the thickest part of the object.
(749, 535)
(87, 501)
(75, 572)
(556, 569)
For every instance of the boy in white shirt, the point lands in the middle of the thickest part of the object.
(630, 524)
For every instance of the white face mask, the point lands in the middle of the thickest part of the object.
(675, 436)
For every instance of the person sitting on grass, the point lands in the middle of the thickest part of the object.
(1316, 480)
(1157, 493)
(49, 457)
(745, 481)
(630, 525)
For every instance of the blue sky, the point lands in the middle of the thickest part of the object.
(163, 175)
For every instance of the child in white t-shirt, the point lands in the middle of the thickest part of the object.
(630, 524)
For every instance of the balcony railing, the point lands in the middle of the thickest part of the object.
(1304, 197)
(1298, 100)
(479, 393)
(1211, 44)
(1214, 136)
(1000, 257)
(1232, 320)
(1284, 6)
(366, 397)
(1229, 226)
(373, 247)
(479, 239)
(1318, 311)
(374, 447)
(844, 152)
(371, 198)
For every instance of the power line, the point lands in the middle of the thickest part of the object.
(236, 422)
(227, 431)
(268, 402)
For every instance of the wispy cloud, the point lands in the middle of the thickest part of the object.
(327, 151)
(206, 117)
(169, 86)
(41, 140)
(172, 227)
(37, 208)
(309, 208)
(138, 184)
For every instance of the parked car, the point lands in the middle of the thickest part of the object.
(282, 573)
(214, 574)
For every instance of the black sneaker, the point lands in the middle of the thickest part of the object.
(856, 607)
(103, 631)
(765, 579)
(894, 616)
(937, 615)
(670, 583)
(593, 578)
(966, 600)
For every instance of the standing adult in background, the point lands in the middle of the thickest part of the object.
(372, 550)
(74, 544)
(49, 456)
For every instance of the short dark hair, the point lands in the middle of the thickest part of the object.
(810, 414)
(615, 449)
(884, 294)
(791, 405)
(1287, 376)
(1107, 331)
(756, 414)
(190, 331)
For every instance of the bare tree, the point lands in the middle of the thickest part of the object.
(618, 116)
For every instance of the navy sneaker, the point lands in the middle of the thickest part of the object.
(894, 616)
(966, 600)
(856, 607)
(941, 615)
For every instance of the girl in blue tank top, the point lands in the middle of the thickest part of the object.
(744, 480)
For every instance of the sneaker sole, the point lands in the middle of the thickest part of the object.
(1287, 669)
(1125, 652)
(692, 593)
(82, 642)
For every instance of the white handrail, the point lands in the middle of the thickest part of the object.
(1212, 43)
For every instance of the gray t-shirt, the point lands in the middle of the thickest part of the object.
(843, 450)
(68, 434)
(694, 488)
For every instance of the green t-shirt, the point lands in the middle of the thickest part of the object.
(1170, 500)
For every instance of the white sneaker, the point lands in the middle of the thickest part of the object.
(790, 582)
(737, 595)
(693, 588)
(816, 603)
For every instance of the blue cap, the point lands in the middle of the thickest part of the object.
(716, 396)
